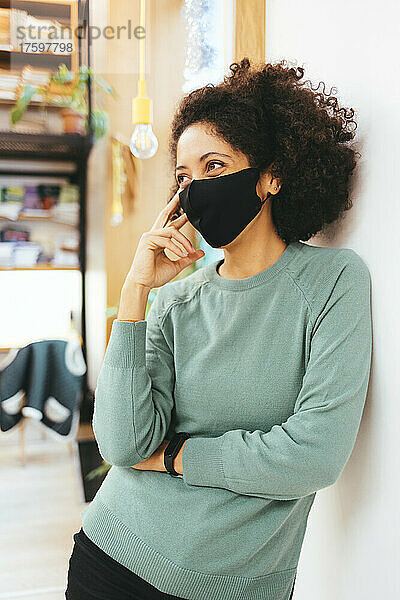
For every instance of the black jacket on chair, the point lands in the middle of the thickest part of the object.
(42, 380)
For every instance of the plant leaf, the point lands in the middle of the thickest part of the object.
(21, 105)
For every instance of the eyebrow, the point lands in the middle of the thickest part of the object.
(202, 158)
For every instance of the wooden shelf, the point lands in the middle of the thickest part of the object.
(48, 60)
(6, 3)
(19, 51)
(36, 103)
(48, 219)
(22, 59)
(22, 217)
(57, 7)
(40, 267)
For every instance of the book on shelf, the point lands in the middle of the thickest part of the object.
(17, 26)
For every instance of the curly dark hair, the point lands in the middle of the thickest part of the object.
(269, 114)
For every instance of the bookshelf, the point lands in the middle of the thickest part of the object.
(41, 156)
(19, 64)
(64, 13)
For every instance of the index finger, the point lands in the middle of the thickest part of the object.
(166, 213)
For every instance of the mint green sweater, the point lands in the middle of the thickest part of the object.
(269, 375)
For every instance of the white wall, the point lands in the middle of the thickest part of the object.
(351, 549)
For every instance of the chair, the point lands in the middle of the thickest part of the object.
(43, 381)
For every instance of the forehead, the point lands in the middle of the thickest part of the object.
(198, 139)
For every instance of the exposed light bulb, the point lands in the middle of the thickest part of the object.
(144, 143)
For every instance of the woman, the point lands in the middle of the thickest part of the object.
(260, 360)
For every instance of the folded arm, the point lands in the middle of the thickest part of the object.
(310, 449)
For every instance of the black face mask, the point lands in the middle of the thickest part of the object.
(220, 208)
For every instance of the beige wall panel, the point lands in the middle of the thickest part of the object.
(249, 25)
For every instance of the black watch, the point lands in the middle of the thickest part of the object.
(172, 450)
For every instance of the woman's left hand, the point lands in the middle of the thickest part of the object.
(155, 462)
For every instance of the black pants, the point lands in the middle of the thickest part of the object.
(94, 575)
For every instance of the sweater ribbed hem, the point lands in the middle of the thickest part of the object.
(115, 539)
(126, 347)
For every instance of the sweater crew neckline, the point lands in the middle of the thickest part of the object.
(211, 274)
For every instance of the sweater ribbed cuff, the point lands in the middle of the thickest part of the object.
(202, 462)
(127, 344)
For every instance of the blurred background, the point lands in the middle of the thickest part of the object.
(81, 180)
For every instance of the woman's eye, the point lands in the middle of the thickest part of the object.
(214, 162)
(217, 164)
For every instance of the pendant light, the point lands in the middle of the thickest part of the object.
(143, 142)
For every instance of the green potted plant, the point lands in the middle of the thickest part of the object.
(68, 90)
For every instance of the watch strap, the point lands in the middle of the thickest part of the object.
(172, 450)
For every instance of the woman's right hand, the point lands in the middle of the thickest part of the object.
(151, 267)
